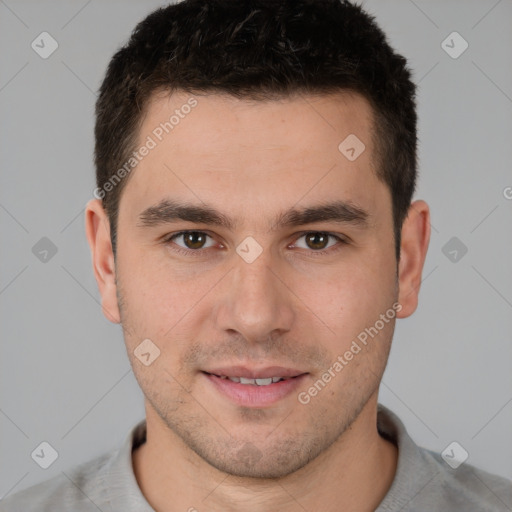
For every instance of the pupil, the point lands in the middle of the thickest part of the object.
(194, 240)
(313, 236)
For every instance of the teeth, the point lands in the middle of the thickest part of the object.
(255, 382)
(264, 382)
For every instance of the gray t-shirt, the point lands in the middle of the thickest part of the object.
(424, 482)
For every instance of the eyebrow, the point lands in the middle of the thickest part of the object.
(169, 211)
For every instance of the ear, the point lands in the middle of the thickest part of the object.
(413, 250)
(97, 228)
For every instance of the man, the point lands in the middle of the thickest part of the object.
(253, 233)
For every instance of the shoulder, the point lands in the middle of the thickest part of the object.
(79, 489)
(466, 487)
(425, 481)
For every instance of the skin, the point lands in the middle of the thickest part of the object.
(289, 307)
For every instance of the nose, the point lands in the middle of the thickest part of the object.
(256, 302)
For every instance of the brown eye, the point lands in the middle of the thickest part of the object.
(317, 241)
(320, 243)
(191, 240)
(194, 240)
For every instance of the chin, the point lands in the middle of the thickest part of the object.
(244, 459)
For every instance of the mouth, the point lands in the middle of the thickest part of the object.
(255, 388)
(253, 382)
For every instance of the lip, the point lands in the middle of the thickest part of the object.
(251, 395)
(261, 373)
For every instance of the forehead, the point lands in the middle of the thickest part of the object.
(231, 151)
(213, 122)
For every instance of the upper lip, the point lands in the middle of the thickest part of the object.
(255, 373)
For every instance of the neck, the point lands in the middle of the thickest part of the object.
(354, 473)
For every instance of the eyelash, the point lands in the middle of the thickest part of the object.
(189, 252)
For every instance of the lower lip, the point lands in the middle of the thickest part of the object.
(252, 395)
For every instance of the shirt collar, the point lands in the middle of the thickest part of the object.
(414, 469)
(122, 488)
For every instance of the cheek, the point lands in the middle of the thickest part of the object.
(153, 297)
(349, 297)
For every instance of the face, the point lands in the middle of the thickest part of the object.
(264, 283)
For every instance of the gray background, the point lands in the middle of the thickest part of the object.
(65, 376)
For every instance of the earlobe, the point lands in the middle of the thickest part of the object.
(413, 251)
(97, 228)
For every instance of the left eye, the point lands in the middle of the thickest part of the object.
(317, 240)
